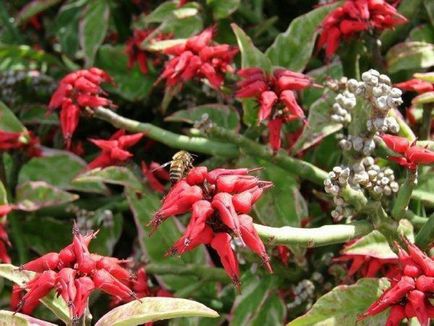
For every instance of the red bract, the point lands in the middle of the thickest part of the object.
(74, 273)
(410, 290)
(198, 58)
(412, 155)
(76, 91)
(218, 201)
(114, 150)
(416, 85)
(20, 140)
(353, 17)
(5, 209)
(136, 54)
(275, 95)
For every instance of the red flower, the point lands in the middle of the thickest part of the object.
(218, 201)
(416, 85)
(74, 273)
(275, 95)
(409, 292)
(154, 173)
(412, 154)
(76, 91)
(136, 54)
(114, 150)
(20, 140)
(353, 17)
(5, 209)
(198, 58)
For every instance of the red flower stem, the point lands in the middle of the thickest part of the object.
(404, 195)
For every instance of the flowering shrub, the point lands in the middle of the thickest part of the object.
(230, 159)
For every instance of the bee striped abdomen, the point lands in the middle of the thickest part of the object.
(182, 162)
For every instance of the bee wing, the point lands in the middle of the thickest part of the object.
(161, 166)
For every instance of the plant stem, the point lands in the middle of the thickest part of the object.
(202, 272)
(425, 129)
(314, 237)
(292, 165)
(382, 221)
(196, 144)
(404, 195)
(425, 235)
(354, 197)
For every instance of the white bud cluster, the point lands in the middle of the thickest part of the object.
(337, 179)
(344, 103)
(303, 291)
(377, 89)
(359, 144)
(381, 181)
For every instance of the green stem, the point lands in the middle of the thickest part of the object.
(382, 221)
(425, 129)
(416, 220)
(354, 197)
(350, 61)
(292, 165)
(314, 237)
(404, 128)
(202, 272)
(196, 144)
(425, 236)
(404, 195)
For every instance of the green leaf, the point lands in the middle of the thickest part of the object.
(3, 194)
(66, 165)
(18, 319)
(424, 98)
(421, 33)
(429, 6)
(160, 14)
(293, 48)
(93, 28)
(374, 245)
(51, 301)
(223, 9)
(132, 85)
(259, 303)
(31, 196)
(152, 309)
(110, 229)
(426, 196)
(319, 124)
(410, 56)
(222, 115)
(8, 120)
(428, 76)
(143, 209)
(34, 8)
(250, 55)
(24, 57)
(118, 175)
(344, 303)
(182, 28)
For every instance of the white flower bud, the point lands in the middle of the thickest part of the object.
(357, 143)
(395, 92)
(384, 79)
(352, 85)
(394, 186)
(385, 181)
(366, 76)
(337, 169)
(377, 91)
(378, 189)
(381, 103)
(387, 191)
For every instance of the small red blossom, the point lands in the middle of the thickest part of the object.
(198, 58)
(155, 175)
(74, 273)
(412, 155)
(136, 54)
(76, 91)
(353, 17)
(276, 97)
(114, 149)
(219, 201)
(20, 140)
(416, 85)
(409, 293)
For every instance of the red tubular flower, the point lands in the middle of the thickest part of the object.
(155, 175)
(76, 91)
(114, 150)
(218, 201)
(412, 154)
(74, 273)
(198, 58)
(416, 85)
(353, 17)
(136, 54)
(409, 293)
(20, 140)
(275, 95)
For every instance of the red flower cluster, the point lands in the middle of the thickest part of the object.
(219, 201)
(136, 54)
(355, 16)
(20, 140)
(78, 90)
(409, 292)
(198, 58)
(416, 85)
(114, 150)
(368, 266)
(155, 175)
(276, 97)
(74, 273)
(412, 154)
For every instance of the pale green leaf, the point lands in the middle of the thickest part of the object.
(152, 309)
(374, 245)
(222, 9)
(8, 121)
(18, 319)
(410, 56)
(33, 8)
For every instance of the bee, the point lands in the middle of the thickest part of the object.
(180, 165)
